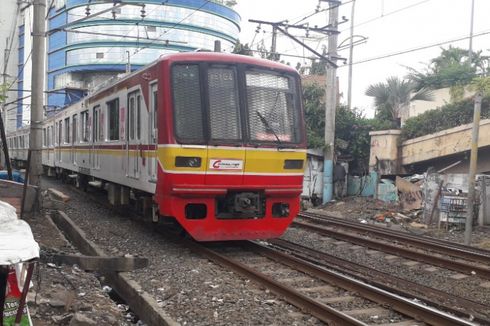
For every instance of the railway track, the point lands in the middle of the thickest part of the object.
(444, 247)
(328, 295)
(326, 298)
(460, 260)
(444, 301)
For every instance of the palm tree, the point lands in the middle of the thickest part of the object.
(394, 96)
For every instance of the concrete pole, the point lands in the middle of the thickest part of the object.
(273, 55)
(351, 55)
(37, 87)
(472, 173)
(330, 104)
(3, 113)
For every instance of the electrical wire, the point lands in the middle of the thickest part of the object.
(388, 14)
(423, 47)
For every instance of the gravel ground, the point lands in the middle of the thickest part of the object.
(320, 290)
(190, 289)
(65, 293)
(467, 287)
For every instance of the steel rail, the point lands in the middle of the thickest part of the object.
(321, 311)
(388, 282)
(399, 251)
(402, 305)
(444, 247)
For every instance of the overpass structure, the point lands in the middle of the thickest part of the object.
(445, 151)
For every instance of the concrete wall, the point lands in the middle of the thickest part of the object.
(445, 143)
(384, 156)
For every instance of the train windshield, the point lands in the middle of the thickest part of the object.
(216, 113)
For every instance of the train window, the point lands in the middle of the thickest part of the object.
(138, 117)
(67, 130)
(134, 116)
(113, 119)
(75, 128)
(45, 135)
(131, 115)
(85, 126)
(188, 115)
(60, 131)
(272, 114)
(223, 104)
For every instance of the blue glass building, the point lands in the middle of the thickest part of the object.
(82, 53)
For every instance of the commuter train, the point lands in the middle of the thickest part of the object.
(215, 141)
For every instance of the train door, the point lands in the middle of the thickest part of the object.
(153, 132)
(133, 136)
(94, 157)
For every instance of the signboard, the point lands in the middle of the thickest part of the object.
(224, 164)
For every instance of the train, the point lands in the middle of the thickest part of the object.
(214, 141)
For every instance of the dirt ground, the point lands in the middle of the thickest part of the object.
(66, 295)
(371, 211)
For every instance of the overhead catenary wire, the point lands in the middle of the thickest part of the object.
(419, 48)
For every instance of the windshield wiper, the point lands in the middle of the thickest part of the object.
(268, 127)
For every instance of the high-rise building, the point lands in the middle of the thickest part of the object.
(91, 41)
(9, 64)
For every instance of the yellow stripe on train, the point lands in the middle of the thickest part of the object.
(253, 161)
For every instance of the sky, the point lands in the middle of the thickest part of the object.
(390, 26)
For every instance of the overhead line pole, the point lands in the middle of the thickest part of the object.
(351, 56)
(37, 87)
(330, 102)
(3, 111)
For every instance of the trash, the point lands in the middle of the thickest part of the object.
(410, 195)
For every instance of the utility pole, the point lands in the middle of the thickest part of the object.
(351, 55)
(473, 162)
(273, 55)
(330, 102)
(37, 87)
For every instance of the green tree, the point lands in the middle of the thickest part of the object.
(451, 69)
(351, 128)
(394, 96)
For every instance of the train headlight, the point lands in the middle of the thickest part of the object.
(187, 162)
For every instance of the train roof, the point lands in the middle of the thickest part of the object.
(224, 57)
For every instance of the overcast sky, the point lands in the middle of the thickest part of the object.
(390, 25)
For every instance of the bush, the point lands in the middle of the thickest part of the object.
(445, 117)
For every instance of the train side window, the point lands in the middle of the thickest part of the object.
(138, 117)
(113, 119)
(97, 134)
(134, 116)
(74, 120)
(131, 116)
(85, 131)
(67, 130)
(60, 132)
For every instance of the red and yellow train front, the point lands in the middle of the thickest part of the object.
(232, 165)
